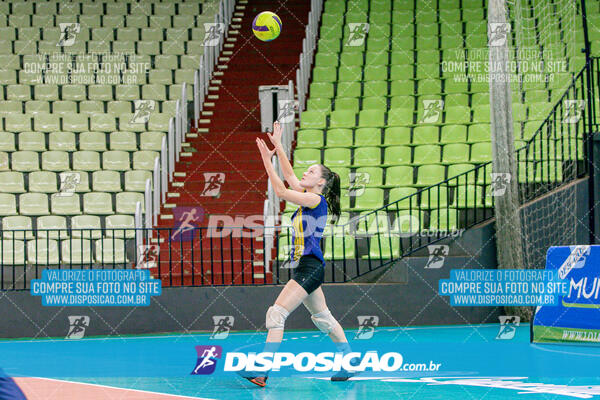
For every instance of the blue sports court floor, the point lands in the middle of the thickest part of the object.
(475, 365)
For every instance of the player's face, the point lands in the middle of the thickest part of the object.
(312, 177)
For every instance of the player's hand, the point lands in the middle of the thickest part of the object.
(275, 137)
(265, 153)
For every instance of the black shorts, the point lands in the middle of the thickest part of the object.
(309, 273)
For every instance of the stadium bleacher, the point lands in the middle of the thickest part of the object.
(73, 75)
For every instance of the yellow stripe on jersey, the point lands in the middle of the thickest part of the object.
(299, 232)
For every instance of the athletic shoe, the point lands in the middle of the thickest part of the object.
(259, 380)
(344, 374)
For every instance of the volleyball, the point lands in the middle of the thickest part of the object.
(266, 26)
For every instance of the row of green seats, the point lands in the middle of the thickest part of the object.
(69, 141)
(75, 8)
(54, 160)
(107, 21)
(21, 227)
(47, 122)
(69, 251)
(77, 92)
(114, 107)
(95, 203)
(50, 182)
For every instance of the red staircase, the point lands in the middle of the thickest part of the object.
(225, 142)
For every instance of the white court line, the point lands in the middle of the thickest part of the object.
(115, 387)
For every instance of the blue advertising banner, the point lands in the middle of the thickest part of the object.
(576, 318)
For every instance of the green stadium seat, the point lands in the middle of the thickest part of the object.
(479, 133)
(400, 117)
(345, 103)
(151, 140)
(481, 152)
(372, 223)
(75, 122)
(462, 173)
(55, 161)
(435, 197)
(65, 205)
(444, 219)
(312, 138)
(320, 105)
(407, 222)
(86, 160)
(120, 226)
(86, 226)
(321, 90)
(375, 103)
(339, 248)
(397, 136)
(402, 198)
(68, 108)
(76, 250)
(8, 204)
(106, 181)
(144, 159)
(367, 156)
(7, 141)
(52, 226)
(400, 175)
(12, 182)
(33, 141)
(74, 92)
(371, 198)
(468, 196)
(306, 157)
(454, 134)
(367, 137)
(427, 154)
(33, 204)
(458, 115)
(376, 72)
(312, 120)
(397, 155)
(340, 137)
(17, 122)
(425, 135)
(135, 180)
(62, 141)
(126, 201)
(455, 153)
(383, 247)
(344, 174)
(371, 118)
(116, 160)
(349, 74)
(402, 73)
(428, 175)
(42, 182)
(110, 250)
(97, 203)
(17, 227)
(25, 161)
(42, 251)
(481, 114)
(337, 157)
(123, 140)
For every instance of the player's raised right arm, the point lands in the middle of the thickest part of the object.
(286, 167)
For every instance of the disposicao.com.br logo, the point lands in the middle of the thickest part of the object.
(370, 361)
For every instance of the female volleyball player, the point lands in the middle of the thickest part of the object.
(317, 192)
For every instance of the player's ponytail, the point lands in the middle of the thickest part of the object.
(331, 191)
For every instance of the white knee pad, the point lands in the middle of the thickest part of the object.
(276, 316)
(324, 321)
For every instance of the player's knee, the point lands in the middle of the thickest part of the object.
(324, 321)
(276, 316)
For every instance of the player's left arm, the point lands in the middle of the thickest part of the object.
(305, 199)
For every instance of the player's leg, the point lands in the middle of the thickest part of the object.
(289, 299)
(321, 316)
(324, 320)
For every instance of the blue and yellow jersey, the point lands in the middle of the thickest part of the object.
(308, 223)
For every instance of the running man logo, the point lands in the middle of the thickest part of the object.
(498, 33)
(213, 182)
(147, 256)
(508, 324)
(432, 111)
(358, 34)
(437, 256)
(186, 220)
(68, 34)
(573, 110)
(358, 182)
(366, 326)
(207, 359)
(212, 32)
(68, 183)
(77, 325)
(223, 324)
(286, 111)
(500, 181)
(143, 109)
